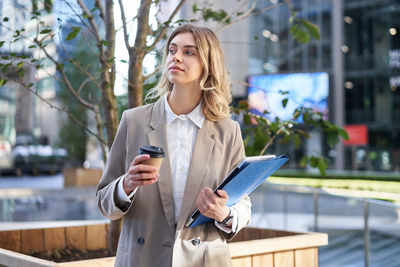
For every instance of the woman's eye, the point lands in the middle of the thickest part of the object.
(172, 51)
(189, 52)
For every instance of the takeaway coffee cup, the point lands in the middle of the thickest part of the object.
(156, 155)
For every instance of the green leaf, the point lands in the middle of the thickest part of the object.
(34, 6)
(332, 138)
(246, 118)
(194, 8)
(274, 126)
(5, 57)
(19, 65)
(45, 31)
(322, 165)
(72, 34)
(243, 105)
(94, 9)
(311, 28)
(284, 102)
(215, 15)
(314, 161)
(1, 43)
(21, 72)
(343, 133)
(3, 82)
(5, 19)
(284, 92)
(104, 42)
(123, 61)
(296, 140)
(299, 34)
(303, 161)
(60, 66)
(48, 5)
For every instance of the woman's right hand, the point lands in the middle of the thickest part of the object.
(139, 174)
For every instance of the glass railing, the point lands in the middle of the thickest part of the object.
(362, 232)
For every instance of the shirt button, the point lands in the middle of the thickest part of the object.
(140, 240)
(182, 169)
(196, 241)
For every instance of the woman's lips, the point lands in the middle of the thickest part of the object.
(175, 68)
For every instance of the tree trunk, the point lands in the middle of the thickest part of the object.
(110, 108)
(135, 76)
(108, 76)
(136, 56)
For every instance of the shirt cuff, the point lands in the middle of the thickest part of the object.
(121, 192)
(234, 219)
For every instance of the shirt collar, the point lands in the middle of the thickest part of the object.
(196, 115)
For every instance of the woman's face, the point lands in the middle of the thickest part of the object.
(183, 61)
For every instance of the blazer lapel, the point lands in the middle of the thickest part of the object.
(201, 153)
(158, 137)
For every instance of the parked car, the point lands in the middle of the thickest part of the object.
(37, 156)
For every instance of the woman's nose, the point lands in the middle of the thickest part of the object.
(178, 57)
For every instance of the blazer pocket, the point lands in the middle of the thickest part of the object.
(218, 256)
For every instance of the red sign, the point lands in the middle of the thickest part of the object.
(358, 135)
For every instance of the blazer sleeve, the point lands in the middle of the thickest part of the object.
(114, 170)
(243, 207)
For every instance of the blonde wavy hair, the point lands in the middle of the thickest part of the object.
(214, 83)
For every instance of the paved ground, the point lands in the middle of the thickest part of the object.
(31, 201)
(33, 182)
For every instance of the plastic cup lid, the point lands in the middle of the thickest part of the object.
(153, 151)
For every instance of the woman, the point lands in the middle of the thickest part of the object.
(190, 121)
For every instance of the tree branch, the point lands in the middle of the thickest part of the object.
(248, 14)
(151, 74)
(165, 27)
(91, 20)
(83, 84)
(123, 18)
(63, 109)
(65, 78)
(80, 18)
(237, 9)
(101, 9)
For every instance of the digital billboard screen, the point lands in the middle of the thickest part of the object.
(310, 90)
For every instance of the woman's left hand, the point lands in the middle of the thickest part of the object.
(213, 205)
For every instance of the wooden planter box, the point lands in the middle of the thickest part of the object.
(81, 177)
(252, 247)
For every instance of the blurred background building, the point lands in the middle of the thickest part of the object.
(359, 49)
(29, 115)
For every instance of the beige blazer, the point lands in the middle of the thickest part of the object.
(149, 236)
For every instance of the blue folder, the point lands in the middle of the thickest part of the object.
(246, 177)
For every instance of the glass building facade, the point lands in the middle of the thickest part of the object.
(359, 48)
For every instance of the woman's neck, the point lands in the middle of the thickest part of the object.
(183, 100)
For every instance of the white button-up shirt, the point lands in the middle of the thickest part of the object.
(181, 136)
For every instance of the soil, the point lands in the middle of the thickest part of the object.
(71, 254)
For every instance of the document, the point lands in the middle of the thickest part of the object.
(246, 177)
